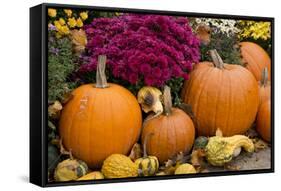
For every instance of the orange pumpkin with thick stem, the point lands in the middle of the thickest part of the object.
(263, 125)
(101, 119)
(173, 131)
(265, 88)
(255, 58)
(222, 96)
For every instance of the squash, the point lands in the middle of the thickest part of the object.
(221, 150)
(100, 119)
(263, 125)
(200, 142)
(223, 96)
(147, 165)
(265, 88)
(95, 175)
(119, 166)
(53, 157)
(173, 131)
(70, 169)
(255, 58)
(185, 169)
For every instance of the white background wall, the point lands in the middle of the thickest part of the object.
(14, 96)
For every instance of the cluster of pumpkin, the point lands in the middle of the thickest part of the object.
(102, 121)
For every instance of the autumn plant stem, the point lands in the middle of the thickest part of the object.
(216, 59)
(145, 144)
(101, 81)
(167, 99)
(264, 77)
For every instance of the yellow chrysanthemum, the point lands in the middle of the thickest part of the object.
(79, 22)
(62, 21)
(52, 12)
(68, 12)
(72, 22)
(84, 15)
(64, 30)
(57, 25)
(255, 30)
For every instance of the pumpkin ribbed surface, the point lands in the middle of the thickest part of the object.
(264, 121)
(256, 58)
(98, 122)
(173, 133)
(224, 98)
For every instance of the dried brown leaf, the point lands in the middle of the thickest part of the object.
(136, 152)
(232, 167)
(197, 157)
(259, 144)
(54, 110)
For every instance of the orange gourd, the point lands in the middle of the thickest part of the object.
(222, 96)
(101, 119)
(263, 125)
(265, 87)
(173, 131)
(255, 58)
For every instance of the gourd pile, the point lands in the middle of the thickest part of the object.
(108, 122)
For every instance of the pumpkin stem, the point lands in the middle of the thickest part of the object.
(264, 76)
(216, 58)
(100, 74)
(167, 99)
(145, 144)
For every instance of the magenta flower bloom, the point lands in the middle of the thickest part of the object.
(148, 48)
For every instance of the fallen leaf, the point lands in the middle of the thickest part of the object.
(197, 158)
(259, 144)
(54, 110)
(203, 32)
(79, 40)
(232, 167)
(136, 152)
(251, 133)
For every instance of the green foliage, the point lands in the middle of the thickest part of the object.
(227, 47)
(60, 66)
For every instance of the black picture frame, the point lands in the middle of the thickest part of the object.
(39, 103)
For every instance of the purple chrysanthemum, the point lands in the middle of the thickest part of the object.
(152, 48)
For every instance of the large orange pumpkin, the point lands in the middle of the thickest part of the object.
(172, 132)
(263, 125)
(265, 88)
(255, 58)
(222, 96)
(101, 119)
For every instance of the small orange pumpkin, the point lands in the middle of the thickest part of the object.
(255, 58)
(173, 131)
(101, 119)
(265, 88)
(222, 96)
(263, 125)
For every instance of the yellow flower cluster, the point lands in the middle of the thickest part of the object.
(52, 12)
(64, 24)
(255, 30)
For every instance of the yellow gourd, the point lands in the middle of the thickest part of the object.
(95, 175)
(185, 169)
(70, 169)
(119, 166)
(221, 150)
(147, 165)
